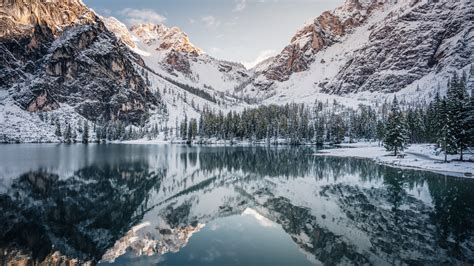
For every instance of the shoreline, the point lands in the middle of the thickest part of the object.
(417, 157)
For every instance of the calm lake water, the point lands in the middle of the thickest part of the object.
(179, 205)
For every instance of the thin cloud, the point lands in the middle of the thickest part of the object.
(240, 5)
(136, 16)
(263, 55)
(211, 21)
(215, 50)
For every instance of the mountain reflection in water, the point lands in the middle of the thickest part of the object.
(129, 203)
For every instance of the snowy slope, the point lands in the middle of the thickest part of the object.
(362, 52)
(182, 72)
(368, 50)
(169, 52)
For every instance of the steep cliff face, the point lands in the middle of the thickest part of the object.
(372, 46)
(172, 43)
(19, 17)
(58, 53)
(165, 39)
(424, 37)
(120, 31)
(323, 31)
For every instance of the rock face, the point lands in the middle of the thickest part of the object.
(178, 61)
(120, 31)
(397, 43)
(60, 52)
(170, 49)
(172, 42)
(429, 37)
(19, 18)
(313, 37)
(165, 38)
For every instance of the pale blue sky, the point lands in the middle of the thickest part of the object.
(236, 30)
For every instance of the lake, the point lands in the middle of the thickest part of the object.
(181, 205)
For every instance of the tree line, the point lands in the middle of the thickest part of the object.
(447, 121)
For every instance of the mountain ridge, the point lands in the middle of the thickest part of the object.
(366, 46)
(63, 58)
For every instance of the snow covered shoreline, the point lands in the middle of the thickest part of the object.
(417, 156)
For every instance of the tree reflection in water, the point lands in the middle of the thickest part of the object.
(337, 210)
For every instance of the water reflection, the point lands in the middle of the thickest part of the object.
(121, 203)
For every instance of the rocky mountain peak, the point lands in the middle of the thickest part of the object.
(164, 38)
(149, 32)
(323, 31)
(374, 46)
(120, 31)
(18, 17)
(59, 54)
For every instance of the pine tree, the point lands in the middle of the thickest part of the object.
(337, 130)
(320, 131)
(68, 133)
(469, 121)
(456, 102)
(396, 133)
(444, 132)
(380, 131)
(177, 128)
(85, 134)
(414, 125)
(192, 131)
(58, 129)
(166, 132)
(438, 120)
(464, 138)
(74, 135)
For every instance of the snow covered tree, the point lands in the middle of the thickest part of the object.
(469, 121)
(396, 136)
(58, 129)
(415, 125)
(337, 130)
(380, 131)
(183, 129)
(68, 133)
(456, 114)
(166, 132)
(193, 129)
(85, 132)
(176, 128)
(74, 135)
(320, 131)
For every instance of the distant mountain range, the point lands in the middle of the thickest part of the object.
(61, 59)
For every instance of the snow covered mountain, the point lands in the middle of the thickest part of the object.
(61, 65)
(187, 79)
(169, 52)
(58, 57)
(371, 47)
(62, 59)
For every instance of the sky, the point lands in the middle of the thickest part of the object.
(246, 31)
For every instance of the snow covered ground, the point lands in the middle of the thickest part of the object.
(418, 156)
